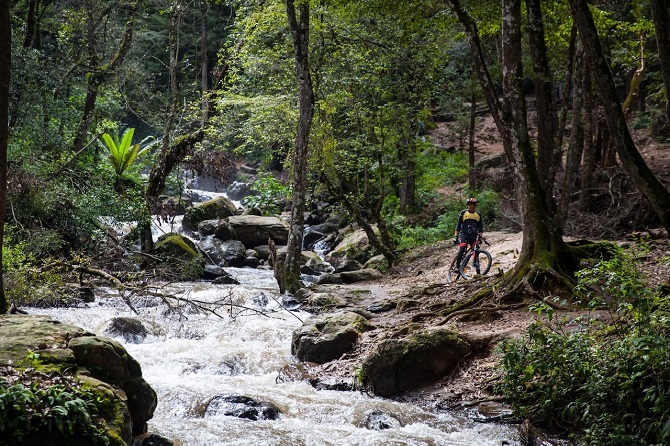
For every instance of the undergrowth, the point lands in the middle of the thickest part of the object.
(605, 377)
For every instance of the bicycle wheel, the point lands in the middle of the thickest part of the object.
(454, 274)
(469, 268)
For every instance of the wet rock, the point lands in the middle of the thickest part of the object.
(224, 253)
(241, 407)
(251, 262)
(310, 239)
(419, 358)
(151, 440)
(86, 294)
(218, 275)
(324, 338)
(131, 329)
(377, 420)
(238, 190)
(224, 231)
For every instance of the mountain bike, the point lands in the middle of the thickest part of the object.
(475, 261)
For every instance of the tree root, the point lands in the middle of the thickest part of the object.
(452, 315)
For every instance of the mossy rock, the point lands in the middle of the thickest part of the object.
(419, 358)
(176, 245)
(214, 209)
(325, 338)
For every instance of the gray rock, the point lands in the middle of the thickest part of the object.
(399, 365)
(255, 230)
(241, 407)
(216, 208)
(324, 338)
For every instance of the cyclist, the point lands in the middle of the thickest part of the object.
(468, 226)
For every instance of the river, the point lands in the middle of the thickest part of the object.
(190, 356)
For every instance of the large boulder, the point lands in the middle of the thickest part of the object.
(176, 245)
(254, 230)
(216, 208)
(228, 253)
(354, 245)
(123, 398)
(324, 338)
(399, 365)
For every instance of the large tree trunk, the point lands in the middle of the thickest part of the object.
(5, 71)
(542, 237)
(631, 159)
(661, 12)
(299, 27)
(544, 96)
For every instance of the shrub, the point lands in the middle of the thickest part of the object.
(269, 194)
(610, 382)
(33, 404)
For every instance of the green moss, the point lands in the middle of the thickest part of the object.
(177, 241)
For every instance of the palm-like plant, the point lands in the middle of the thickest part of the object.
(122, 153)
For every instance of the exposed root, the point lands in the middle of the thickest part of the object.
(452, 315)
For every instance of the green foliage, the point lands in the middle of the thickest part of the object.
(34, 405)
(122, 153)
(605, 378)
(269, 194)
(32, 286)
(14, 255)
(409, 235)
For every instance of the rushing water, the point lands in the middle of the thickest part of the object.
(192, 356)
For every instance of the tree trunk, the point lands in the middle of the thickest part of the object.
(544, 96)
(299, 27)
(170, 154)
(588, 162)
(543, 251)
(5, 72)
(661, 12)
(406, 155)
(473, 174)
(542, 237)
(203, 59)
(576, 141)
(631, 160)
(632, 100)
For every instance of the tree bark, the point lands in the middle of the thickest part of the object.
(576, 145)
(588, 162)
(544, 95)
(203, 59)
(542, 237)
(661, 12)
(473, 174)
(631, 159)
(299, 27)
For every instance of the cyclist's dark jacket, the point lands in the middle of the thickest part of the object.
(469, 223)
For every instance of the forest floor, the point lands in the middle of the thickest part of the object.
(418, 286)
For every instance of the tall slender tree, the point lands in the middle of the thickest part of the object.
(299, 27)
(661, 13)
(5, 71)
(631, 159)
